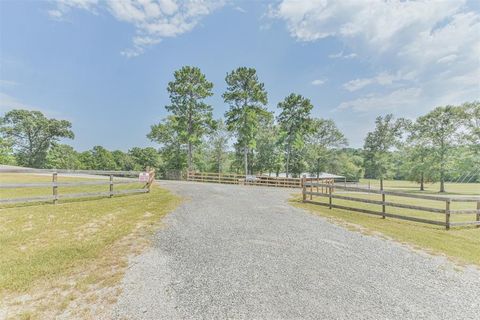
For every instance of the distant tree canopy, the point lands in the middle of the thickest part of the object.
(442, 145)
(32, 134)
(295, 123)
(247, 98)
(192, 115)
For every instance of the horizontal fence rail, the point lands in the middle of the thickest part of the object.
(327, 191)
(55, 185)
(232, 178)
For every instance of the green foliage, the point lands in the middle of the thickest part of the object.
(218, 148)
(32, 134)
(247, 98)
(269, 157)
(438, 131)
(145, 157)
(324, 137)
(295, 122)
(6, 152)
(378, 145)
(470, 117)
(173, 149)
(193, 116)
(102, 159)
(62, 156)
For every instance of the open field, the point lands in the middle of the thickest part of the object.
(56, 255)
(460, 244)
(430, 188)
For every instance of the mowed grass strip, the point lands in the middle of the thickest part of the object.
(44, 241)
(467, 189)
(460, 244)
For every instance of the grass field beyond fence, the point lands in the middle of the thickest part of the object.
(73, 245)
(460, 244)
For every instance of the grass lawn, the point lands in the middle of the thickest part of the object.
(460, 244)
(430, 188)
(57, 255)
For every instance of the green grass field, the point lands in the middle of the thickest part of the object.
(75, 243)
(460, 244)
(430, 188)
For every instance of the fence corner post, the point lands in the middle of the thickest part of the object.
(330, 196)
(54, 187)
(383, 198)
(111, 185)
(447, 214)
(304, 188)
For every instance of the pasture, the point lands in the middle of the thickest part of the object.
(64, 251)
(460, 243)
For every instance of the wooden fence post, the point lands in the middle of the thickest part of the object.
(111, 185)
(330, 196)
(478, 214)
(447, 214)
(54, 188)
(383, 198)
(304, 188)
(311, 190)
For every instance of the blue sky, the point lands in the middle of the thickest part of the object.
(105, 65)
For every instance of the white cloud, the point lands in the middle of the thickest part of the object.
(341, 55)
(395, 100)
(382, 79)
(153, 19)
(9, 83)
(319, 82)
(240, 9)
(432, 46)
(64, 6)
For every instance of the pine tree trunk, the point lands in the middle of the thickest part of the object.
(189, 156)
(245, 159)
(288, 160)
(422, 180)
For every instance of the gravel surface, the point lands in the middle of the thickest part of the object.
(236, 252)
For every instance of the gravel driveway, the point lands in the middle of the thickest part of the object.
(236, 252)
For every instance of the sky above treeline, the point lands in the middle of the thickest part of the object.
(105, 65)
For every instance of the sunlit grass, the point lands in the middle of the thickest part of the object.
(460, 244)
(45, 241)
(431, 188)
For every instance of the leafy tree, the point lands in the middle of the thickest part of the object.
(6, 152)
(324, 136)
(194, 116)
(145, 157)
(123, 161)
(295, 122)
(102, 159)
(269, 157)
(470, 114)
(32, 134)
(438, 130)
(62, 156)
(378, 144)
(420, 168)
(218, 142)
(247, 99)
(418, 157)
(172, 151)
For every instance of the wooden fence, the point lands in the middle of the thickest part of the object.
(55, 185)
(326, 191)
(232, 178)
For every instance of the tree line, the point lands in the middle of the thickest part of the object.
(442, 145)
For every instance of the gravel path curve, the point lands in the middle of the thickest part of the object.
(236, 252)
